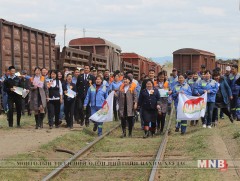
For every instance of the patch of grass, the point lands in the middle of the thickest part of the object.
(236, 135)
(73, 141)
(25, 121)
(114, 149)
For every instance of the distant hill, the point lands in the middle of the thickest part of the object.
(226, 58)
(162, 60)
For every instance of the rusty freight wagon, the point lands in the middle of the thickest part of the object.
(25, 47)
(101, 47)
(73, 58)
(192, 59)
(140, 64)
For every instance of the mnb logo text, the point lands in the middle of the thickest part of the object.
(213, 164)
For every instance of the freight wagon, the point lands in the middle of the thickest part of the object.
(223, 66)
(140, 64)
(192, 59)
(25, 47)
(73, 58)
(101, 47)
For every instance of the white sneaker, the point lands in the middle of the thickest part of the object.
(209, 127)
(204, 125)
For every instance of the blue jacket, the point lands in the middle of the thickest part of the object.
(234, 87)
(114, 86)
(210, 85)
(185, 88)
(193, 84)
(172, 81)
(96, 99)
(227, 78)
(225, 90)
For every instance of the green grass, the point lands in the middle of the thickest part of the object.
(72, 140)
(114, 149)
(197, 144)
(26, 121)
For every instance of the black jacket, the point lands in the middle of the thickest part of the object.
(10, 83)
(64, 86)
(83, 85)
(148, 101)
(25, 83)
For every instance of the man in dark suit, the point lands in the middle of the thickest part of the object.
(10, 84)
(84, 81)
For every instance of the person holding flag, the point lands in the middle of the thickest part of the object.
(96, 95)
(211, 87)
(180, 87)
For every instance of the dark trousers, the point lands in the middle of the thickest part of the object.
(83, 114)
(69, 111)
(221, 113)
(53, 111)
(209, 113)
(115, 113)
(234, 105)
(124, 124)
(215, 113)
(18, 103)
(76, 110)
(161, 121)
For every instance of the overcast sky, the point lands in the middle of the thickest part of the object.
(152, 28)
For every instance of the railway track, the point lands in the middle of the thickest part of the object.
(122, 151)
(75, 156)
(161, 150)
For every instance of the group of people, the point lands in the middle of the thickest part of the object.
(222, 93)
(78, 94)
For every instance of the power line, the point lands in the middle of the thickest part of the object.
(65, 30)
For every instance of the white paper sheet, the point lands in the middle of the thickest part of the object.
(18, 90)
(24, 93)
(18, 74)
(163, 92)
(71, 93)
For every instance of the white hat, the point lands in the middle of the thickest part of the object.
(228, 68)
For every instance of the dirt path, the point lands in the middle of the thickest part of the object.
(18, 141)
(222, 152)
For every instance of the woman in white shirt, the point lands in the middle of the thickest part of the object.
(55, 99)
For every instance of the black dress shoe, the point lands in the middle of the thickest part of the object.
(81, 123)
(146, 134)
(123, 135)
(231, 119)
(95, 127)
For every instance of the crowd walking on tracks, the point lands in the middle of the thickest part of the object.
(75, 95)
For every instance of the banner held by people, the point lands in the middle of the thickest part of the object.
(191, 107)
(105, 114)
